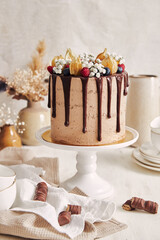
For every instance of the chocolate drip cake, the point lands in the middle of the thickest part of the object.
(87, 97)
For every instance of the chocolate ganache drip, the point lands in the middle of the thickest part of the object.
(99, 83)
(49, 94)
(119, 85)
(84, 98)
(66, 81)
(109, 85)
(54, 77)
(126, 84)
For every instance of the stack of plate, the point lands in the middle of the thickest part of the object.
(147, 156)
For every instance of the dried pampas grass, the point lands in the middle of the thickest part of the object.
(37, 58)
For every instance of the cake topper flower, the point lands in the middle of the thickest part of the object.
(30, 84)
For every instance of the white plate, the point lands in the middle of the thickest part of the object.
(150, 159)
(150, 151)
(146, 166)
(139, 157)
(130, 138)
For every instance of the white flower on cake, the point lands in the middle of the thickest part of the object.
(117, 57)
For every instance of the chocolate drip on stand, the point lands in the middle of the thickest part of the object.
(119, 85)
(127, 79)
(49, 94)
(109, 84)
(84, 97)
(54, 77)
(66, 81)
(126, 84)
(99, 82)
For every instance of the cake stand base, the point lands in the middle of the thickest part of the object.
(87, 179)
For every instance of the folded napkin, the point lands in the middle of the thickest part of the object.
(57, 201)
(32, 226)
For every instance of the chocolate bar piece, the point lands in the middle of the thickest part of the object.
(127, 206)
(43, 185)
(64, 218)
(148, 206)
(41, 189)
(40, 196)
(41, 192)
(74, 209)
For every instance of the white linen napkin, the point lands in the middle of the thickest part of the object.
(29, 172)
(57, 201)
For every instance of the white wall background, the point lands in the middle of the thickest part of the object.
(128, 27)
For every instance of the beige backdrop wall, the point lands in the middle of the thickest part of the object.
(128, 27)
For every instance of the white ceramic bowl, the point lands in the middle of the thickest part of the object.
(7, 177)
(155, 132)
(7, 196)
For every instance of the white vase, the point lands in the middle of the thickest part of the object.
(30, 120)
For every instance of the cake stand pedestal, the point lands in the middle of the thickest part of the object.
(86, 177)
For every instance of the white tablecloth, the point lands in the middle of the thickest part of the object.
(129, 180)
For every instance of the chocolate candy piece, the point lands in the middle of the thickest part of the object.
(41, 192)
(149, 206)
(40, 196)
(127, 206)
(44, 190)
(64, 218)
(43, 185)
(74, 209)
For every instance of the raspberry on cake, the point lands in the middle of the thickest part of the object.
(87, 96)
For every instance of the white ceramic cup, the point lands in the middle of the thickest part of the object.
(8, 196)
(155, 132)
(142, 105)
(7, 177)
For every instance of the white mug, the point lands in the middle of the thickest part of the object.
(142, 105)
(155, 132)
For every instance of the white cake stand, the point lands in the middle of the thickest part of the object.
(86, 177)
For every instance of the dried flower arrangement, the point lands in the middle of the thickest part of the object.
(7, 115)
(30, 84)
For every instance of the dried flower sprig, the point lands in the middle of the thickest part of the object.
(29, 86)
(37, 59)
